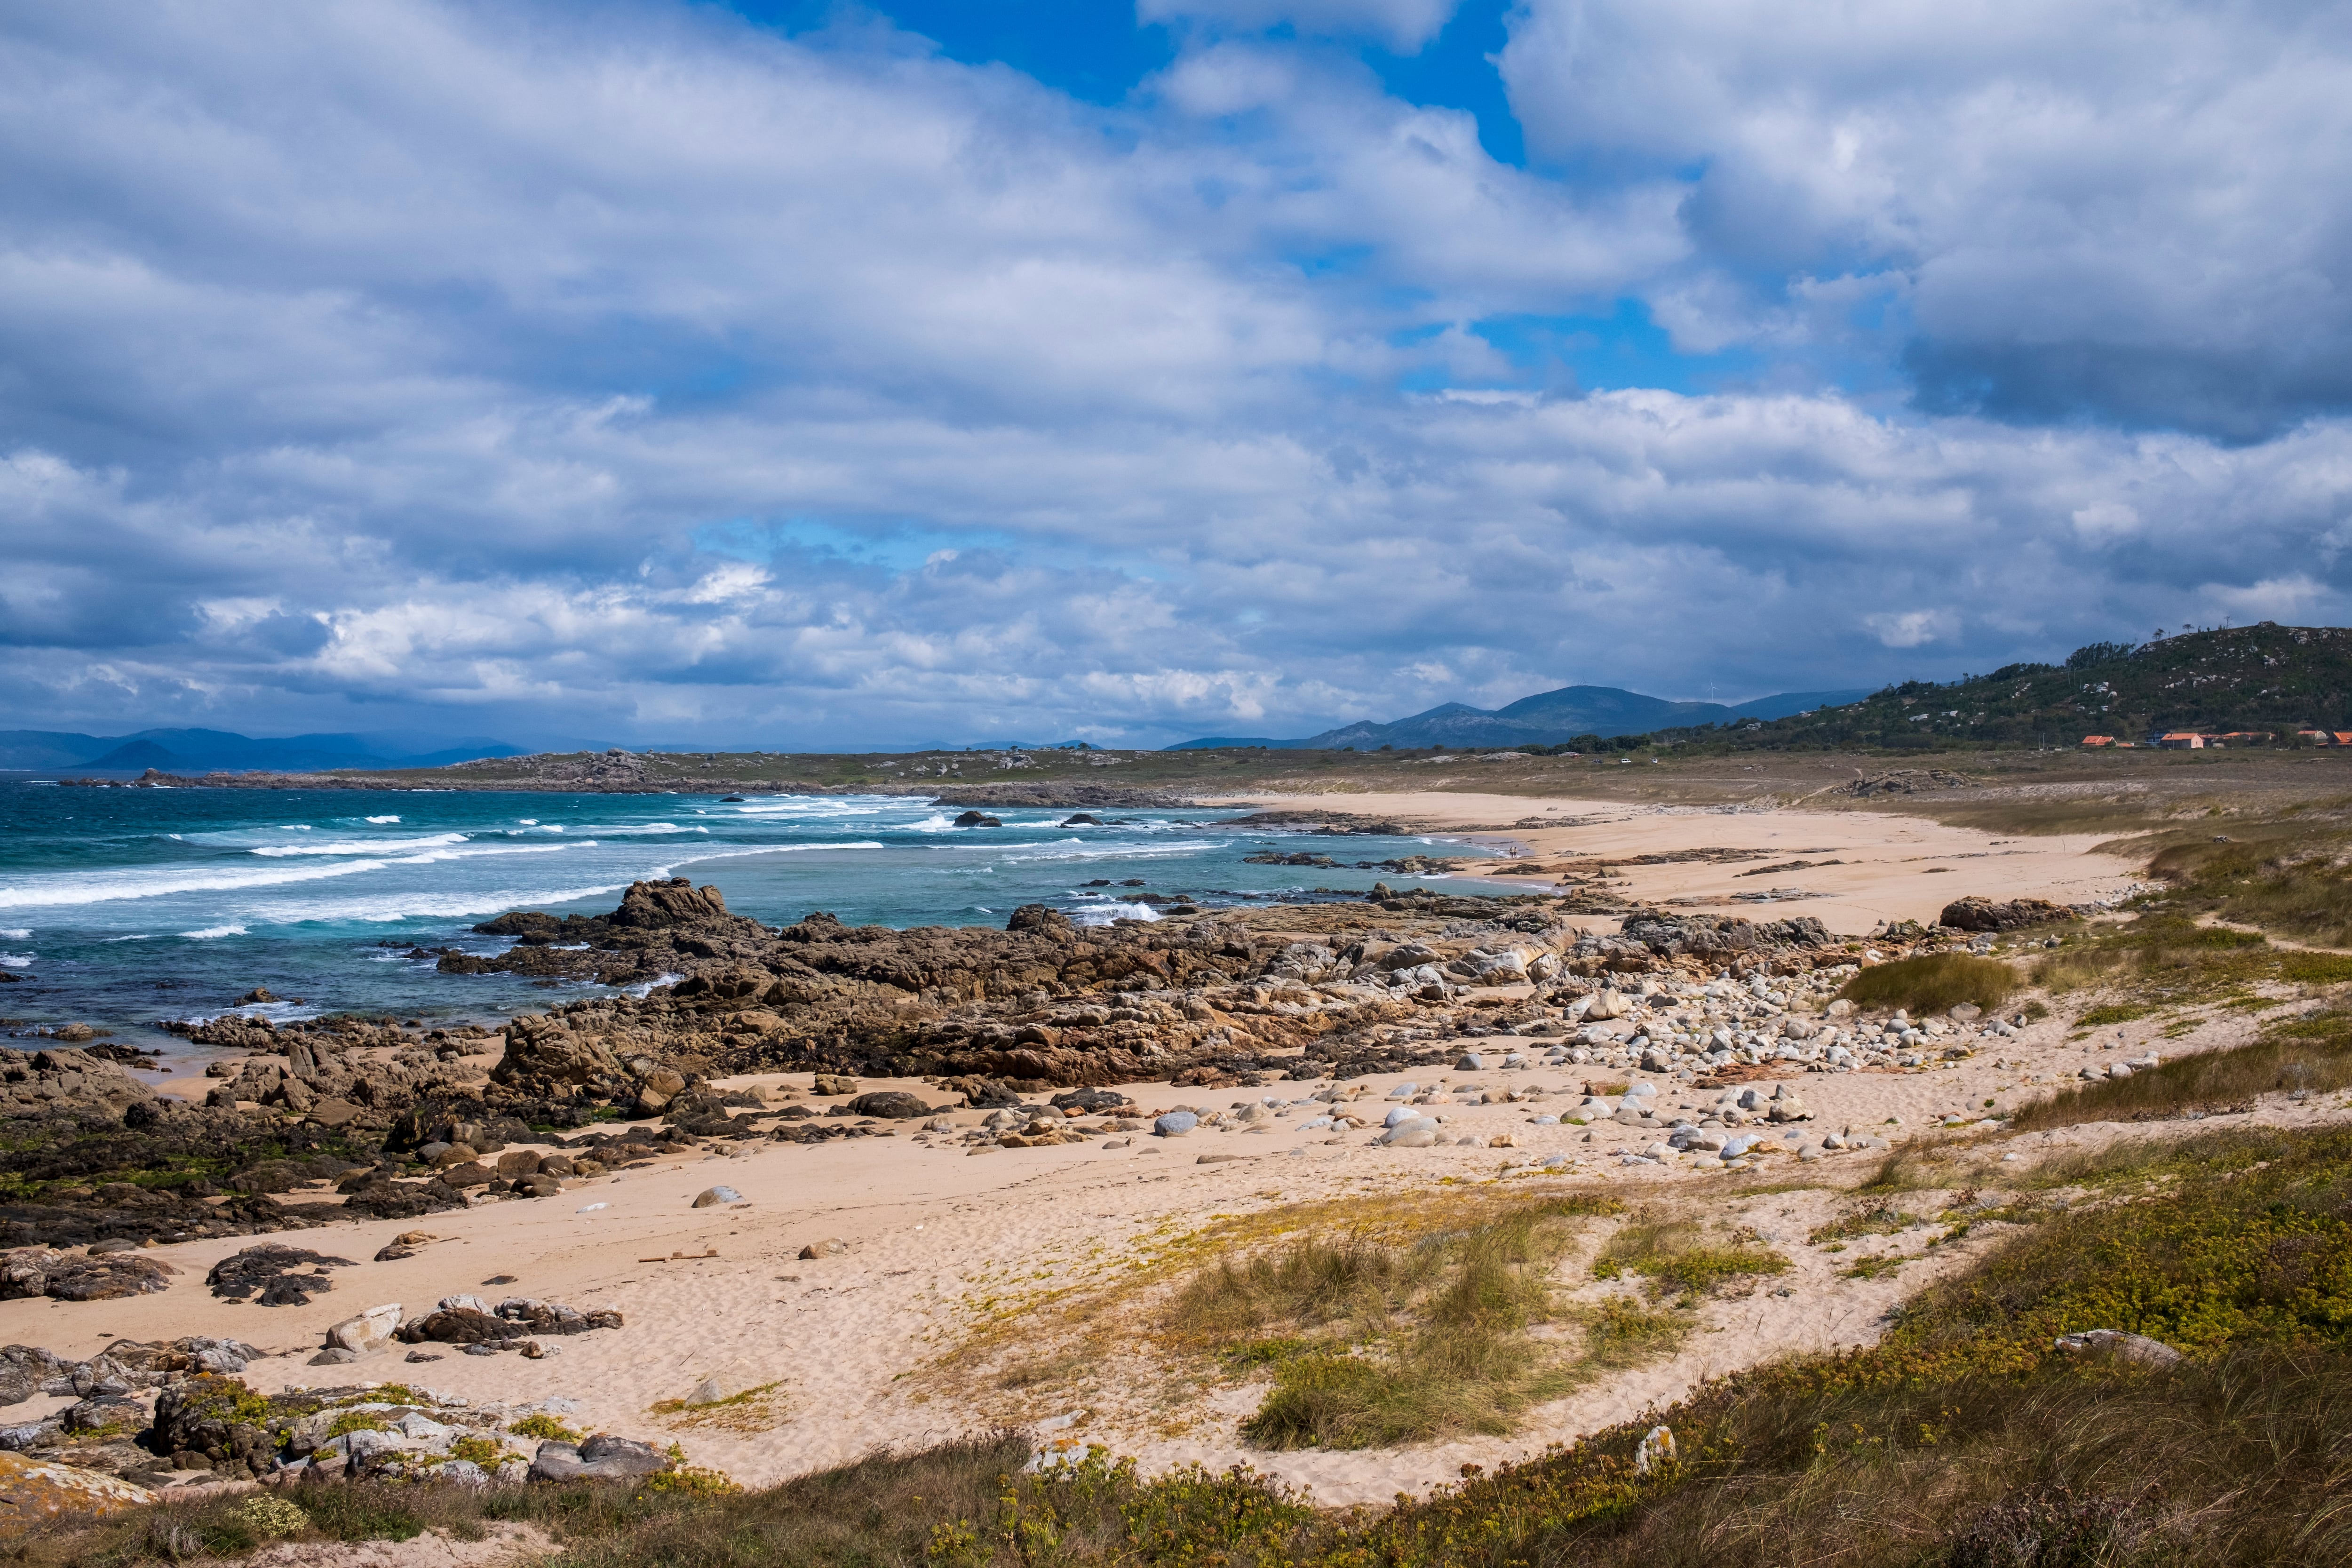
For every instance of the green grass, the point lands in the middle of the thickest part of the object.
(1676, 1256)
(1934, 983)
(2311, 1054)
(1371, 1343)
(1864, 1219)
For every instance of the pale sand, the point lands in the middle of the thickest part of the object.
(1897, 868)
(936, 1230)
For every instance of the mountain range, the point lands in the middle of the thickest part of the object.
(1546, 719)
(206, 750)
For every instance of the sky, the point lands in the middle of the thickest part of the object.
(805, 374)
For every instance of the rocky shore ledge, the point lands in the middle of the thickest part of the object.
(339, 1118)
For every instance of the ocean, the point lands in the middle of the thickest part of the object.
(122, 907)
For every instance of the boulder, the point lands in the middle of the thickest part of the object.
(890, 1104)
(374, 1329)
(1040, 920)
(543, 1059)
(977, 819)
(1978, 913)
(460, 1326)
(711, 1198)
(2115, 1345)
(601, 1459)
(32, 1492)
(830, 1247)
(1420, 1132)
(1175, 1124)
(1093, 1102)
(679, 905)
(216, 1422)
(34, 1271)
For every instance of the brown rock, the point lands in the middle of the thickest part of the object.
(68, 1277)
(1977, 914)
(32, 1493)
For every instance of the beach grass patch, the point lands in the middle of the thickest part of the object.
(1933, 983)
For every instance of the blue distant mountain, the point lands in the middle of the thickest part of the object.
(1546, 719)
(210, 751)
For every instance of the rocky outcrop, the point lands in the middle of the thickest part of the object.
(48, 1082)
(1715, 936)
(34, 1491)
(76, 1276)
(1043, 1004)
(1976, 913)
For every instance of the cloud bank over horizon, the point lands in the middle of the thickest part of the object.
(662, 372)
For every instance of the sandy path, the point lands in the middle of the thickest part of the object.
(1895, 868)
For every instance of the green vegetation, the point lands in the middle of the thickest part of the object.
(1934, 982)
(546, 1426)
(1964, 1439)
(2312, 1053)
(1375, 1343)
(1675, 1256)
(1864, 1219)
(2265, 678)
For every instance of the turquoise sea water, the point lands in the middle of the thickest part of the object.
(122, 907)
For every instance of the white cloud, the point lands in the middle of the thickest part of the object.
(2137, 209)
(400, 358)
(1911, 629)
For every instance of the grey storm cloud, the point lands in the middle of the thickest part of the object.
(627, 370)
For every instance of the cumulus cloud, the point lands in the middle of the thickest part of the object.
(2137, 211)
(630, 370)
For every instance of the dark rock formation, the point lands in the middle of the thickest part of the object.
(1977, 914)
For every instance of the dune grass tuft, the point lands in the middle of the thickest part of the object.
(2313, 1055)
(1933, 983)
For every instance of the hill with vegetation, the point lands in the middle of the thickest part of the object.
(2248, 678)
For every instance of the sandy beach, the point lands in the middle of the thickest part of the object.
(958, 1264)
(1859, 868)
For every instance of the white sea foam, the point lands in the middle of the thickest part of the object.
(380, 821)
(1055, 851)
(358, 846)
(671, 870)
(15, 961)
(665, 978)
(103, 887)
(210, 933)
(480, 851)
(140, 937)
(647, 829)
(16, 933)
(383, 908)
(1102, 914)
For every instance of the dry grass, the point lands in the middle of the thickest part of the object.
(1934, 982)
(757, 1409)
(1372, 1345)
(2311, 1055)
(1676, 1255)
